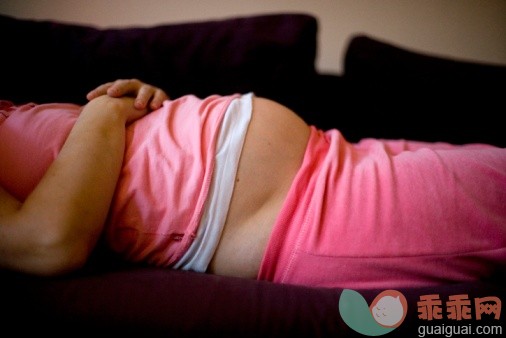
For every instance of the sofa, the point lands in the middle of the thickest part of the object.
(385, 91)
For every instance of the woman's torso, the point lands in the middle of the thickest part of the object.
(272, 153)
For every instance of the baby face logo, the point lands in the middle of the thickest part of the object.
(387, 311)
(389, 308)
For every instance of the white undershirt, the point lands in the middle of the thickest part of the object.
(228, 152)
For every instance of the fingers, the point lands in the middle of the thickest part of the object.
(149, 96)
(117, 88)
(99, 91)
(156, 99)
(145, 95)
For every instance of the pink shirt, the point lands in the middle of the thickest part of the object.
(165, 178)
(390, 213)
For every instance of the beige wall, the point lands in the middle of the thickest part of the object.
(467, 29)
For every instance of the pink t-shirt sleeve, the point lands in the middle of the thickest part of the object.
(31, 137)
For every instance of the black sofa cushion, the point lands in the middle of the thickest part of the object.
(47, 61)
(394, 92)
(383, 63)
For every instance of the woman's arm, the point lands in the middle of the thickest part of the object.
(58, 225)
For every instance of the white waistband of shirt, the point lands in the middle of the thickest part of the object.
(228, 152)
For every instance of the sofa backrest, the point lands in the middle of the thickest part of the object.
(47, 61)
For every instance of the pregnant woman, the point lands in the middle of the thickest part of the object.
(240, 185)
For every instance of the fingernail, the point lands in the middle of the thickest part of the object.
(139, 104)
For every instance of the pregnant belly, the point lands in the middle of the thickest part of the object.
(273, 151)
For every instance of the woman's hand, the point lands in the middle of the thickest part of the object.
(145, 95)
(123, 107)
